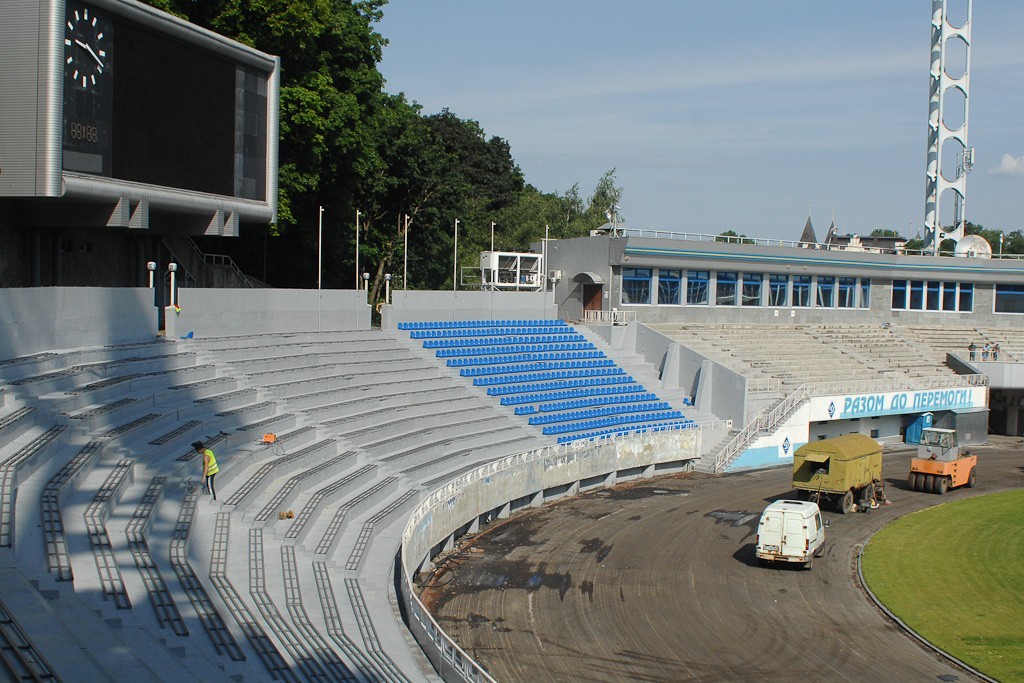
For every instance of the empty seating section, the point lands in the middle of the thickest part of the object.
(363, 426)
(800, 354)
(550, 375)
(537, 387)
(602, 433)
(565, 356)
(549, 372)
(474, 324)
(520, 345)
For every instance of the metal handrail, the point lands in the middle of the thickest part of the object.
(612, 317)
(767, 422)
(760, 385)
(225, 260)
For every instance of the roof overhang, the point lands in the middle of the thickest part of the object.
(588, 278)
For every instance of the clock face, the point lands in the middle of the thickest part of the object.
(86, 47)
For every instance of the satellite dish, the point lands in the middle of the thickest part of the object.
(973, 246)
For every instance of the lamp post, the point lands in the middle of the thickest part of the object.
(172, 268)
(357, 248)
(151, 267)
(405, 253)
(387, 288)
(319, 266)
(1000, 245)
(366, 286)
(492, 235)
(320, 249)
(455, 258)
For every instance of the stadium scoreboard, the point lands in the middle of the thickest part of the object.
(130, 103)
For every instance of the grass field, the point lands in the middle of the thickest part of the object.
(955, 574)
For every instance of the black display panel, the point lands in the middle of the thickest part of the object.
(174, 114)
(88, 89)
(171, 114)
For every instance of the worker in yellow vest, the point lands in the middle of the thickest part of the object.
(210, 468)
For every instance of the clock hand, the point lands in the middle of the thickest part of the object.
(88, 48)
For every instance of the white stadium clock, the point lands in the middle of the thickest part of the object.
(86, 38)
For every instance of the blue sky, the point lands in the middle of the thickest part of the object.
(722, 115)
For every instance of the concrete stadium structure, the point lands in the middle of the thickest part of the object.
(384, 450)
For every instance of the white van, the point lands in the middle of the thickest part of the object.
(790, 531)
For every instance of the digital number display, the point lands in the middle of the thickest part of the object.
(82, 131)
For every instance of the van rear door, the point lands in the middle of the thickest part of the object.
(770, 533)
(794, 536)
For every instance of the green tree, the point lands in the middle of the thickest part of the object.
(885, 232)
(331, 94)
(346, 146)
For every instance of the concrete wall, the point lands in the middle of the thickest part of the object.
(714, 387)
(54, 318)
(224, 312)
(576, 256)
(418, 306)
(1002, 375)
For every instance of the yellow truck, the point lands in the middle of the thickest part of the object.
(839, 471)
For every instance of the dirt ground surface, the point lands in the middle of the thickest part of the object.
(656, 580)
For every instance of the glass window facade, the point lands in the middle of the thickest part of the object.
(899, 294)
(916, 290)
(752, 289)
(679, 287)
(1009, 299)
(933, 289)
(670, 287)
(932, 295)
(697, 287)
(949, 296)
(636, 285)
(847, 292)
(966, 296)
(801, 290)
(826, 291)
(778, 290)
(725, 289)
